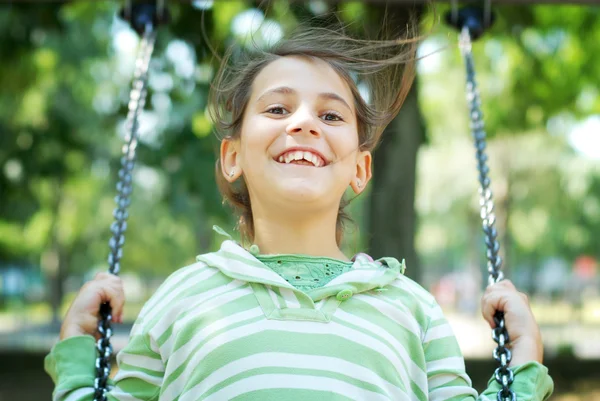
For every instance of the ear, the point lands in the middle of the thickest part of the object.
(229, 159)
(363, 172)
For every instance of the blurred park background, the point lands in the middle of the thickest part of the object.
(65, 74)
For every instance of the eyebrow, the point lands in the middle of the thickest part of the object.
(286, 90)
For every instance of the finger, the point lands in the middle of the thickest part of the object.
(504, 287)
(89, 324)
(114, 295)
(525, 297)
(492, 302)
(503, 284)
(100, 276)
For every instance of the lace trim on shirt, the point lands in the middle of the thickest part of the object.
(305, 272)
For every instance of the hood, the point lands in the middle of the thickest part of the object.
(366, 274)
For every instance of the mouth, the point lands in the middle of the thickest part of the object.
(302, 157)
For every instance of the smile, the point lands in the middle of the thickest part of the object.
(302, 158)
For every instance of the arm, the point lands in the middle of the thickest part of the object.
(446, 373)
(71, 362)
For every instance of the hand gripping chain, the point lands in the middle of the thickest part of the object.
(136, 104)
(502, 354)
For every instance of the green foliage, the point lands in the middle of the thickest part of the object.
(65, 89)
(65, 76)
(537, 70)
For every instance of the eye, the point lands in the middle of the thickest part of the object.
(331, 116)
(276, 110)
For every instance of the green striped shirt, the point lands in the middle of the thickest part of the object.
(230, 328)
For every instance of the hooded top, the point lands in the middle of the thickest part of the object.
(230, 328)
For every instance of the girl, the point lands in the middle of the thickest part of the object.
(292, 317)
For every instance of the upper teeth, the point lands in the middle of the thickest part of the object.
(301, 155)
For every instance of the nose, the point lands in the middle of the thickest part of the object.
(303, 122)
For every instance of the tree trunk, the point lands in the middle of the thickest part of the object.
(392, 216)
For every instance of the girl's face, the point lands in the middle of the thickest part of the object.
(299, 139)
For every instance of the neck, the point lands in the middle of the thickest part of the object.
(296, 233)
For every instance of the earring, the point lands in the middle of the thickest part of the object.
(232, 173)
(358, 184)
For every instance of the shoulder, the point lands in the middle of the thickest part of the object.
(175, 286)
(419, 302)
(414, 290)
(404, 289)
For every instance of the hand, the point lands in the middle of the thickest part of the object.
(82, 317)
(525, 337)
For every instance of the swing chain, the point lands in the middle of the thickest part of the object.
(503, 375)
(124, 188)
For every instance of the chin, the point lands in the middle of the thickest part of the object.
(297, 191)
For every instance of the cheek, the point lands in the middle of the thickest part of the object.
(344, 140)
(256, 136)
(259, 130)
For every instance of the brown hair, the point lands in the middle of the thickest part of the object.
(386, 67)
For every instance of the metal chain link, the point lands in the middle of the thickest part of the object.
(502, 354)
(136, 104)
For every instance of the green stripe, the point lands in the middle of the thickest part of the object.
(458, 382)
(417, 392)
(193, 328)
(297, 372)
(201, 287)
(280, 300)
(286, 395)
(301, 344)
(71, 361)
(403, 335)
(442, 348)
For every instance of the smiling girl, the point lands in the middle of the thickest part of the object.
(291, 317)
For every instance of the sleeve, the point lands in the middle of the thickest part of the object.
(71, 365)
(446, 374)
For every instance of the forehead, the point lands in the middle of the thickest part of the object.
(304, 75)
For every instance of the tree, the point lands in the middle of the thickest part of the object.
(533, 176)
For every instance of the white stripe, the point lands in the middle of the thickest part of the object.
(168, 295)
(274, 298)
(86, 392)
(441, 379)
(246, 270)
(417, 375)
(358, 275)
(453, 363)
(396, 311)
(154, 345)
(183, 353)
(271, 381)
(138, 327)
(332, 328)
(138, 374)
(423, 298)
(124, 396)
(395, 303)
(436, 313)
(437, 332)
(199, 305)
(445, 393)
(177, 309)
(320, 304)
(141, 361)
(173, 281)
(179, 357)
(296, 361)
(73, 395)
(290, 298)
